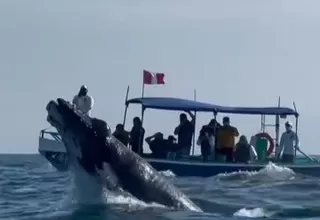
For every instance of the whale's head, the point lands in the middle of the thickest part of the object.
(84, 137)
(65, 117)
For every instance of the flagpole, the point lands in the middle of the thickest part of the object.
(142, 111)
(126, 107)
(194, 128)
(142, 89)
(142, 95)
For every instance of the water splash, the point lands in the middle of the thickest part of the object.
(270, 173)
(253, 213)
(167, 173)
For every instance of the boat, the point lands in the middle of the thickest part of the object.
(52, 148)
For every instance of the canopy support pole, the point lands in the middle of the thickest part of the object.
(142, 117)
(297, 122)
(277, 127)
(126, 107)
(194, 126)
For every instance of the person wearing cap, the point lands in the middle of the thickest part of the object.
(226, 139)
(288, 142)
(157, 145)
(83, 101)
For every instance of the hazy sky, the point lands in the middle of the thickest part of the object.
(231, 52)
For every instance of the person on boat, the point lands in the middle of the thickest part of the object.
(244, 152)
(83, 101)
(288, 142)
(226, 139)
(157, 145)
(172, 147)
(121, 134)
(136, 136)
(206, 140)
(215, 126)
(185, 131)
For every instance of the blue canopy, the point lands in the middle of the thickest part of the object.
(257, 110)
(168, 103)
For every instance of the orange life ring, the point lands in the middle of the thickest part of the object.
(269, 138)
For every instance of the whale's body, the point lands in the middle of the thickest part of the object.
(93, 150)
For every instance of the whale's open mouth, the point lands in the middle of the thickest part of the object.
(83, 137)
(54, 116)
(63, 115)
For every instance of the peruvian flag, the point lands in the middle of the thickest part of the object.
(152, 78)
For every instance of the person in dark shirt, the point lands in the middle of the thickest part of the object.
(136, 136)
(185, 131)
(121, 134)
(243, 151)
(172, 146)
(206, 141)
(157, 145)
(215, 126)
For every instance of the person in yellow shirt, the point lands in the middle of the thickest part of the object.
(226, 139)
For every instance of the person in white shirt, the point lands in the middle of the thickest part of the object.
(83, 101)
(288, 142)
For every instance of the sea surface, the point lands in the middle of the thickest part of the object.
(31, 189)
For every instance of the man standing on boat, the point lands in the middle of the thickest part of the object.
(288, 142)
(83, 101)
(185, 131)
(136, 136)
(226, 139)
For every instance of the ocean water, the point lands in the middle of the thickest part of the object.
(31, 189)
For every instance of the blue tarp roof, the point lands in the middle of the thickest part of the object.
(257, 110)
(168, 103)
(165, 103)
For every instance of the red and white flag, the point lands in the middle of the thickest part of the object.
(152, 78)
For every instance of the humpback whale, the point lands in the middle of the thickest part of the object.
(92, 148)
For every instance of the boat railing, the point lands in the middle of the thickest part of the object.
(53, 134)
(306, 155)
(57, 137)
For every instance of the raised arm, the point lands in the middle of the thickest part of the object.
(193, 118)
(148, 139)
